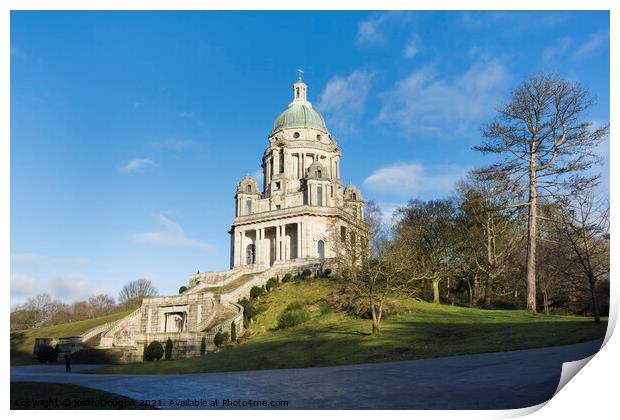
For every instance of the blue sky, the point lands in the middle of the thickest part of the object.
(130, 130)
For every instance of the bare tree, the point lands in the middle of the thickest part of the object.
(583, 230)
(132, 293)
(543, 141)
(489, 229)
(373, 267)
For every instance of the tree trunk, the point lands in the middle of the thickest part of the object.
(376, 318)
(487, 294)
(595, 310)
(436, 290)
(531, 239)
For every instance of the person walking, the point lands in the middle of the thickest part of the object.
(68, 362)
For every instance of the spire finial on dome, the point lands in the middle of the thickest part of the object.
(300, 88)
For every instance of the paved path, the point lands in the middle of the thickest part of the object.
(512, 379)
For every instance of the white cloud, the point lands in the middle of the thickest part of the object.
(412, 47)
(173, 144)
(66, 287)
(172, 235)
(409, 180)
(137, 165)
(423, 102)
(372, 30)
(559, 48)
(594, 42)
(344, 98)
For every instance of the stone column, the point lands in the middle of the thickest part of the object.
(241, 248)
(276, 162)
(277, 243)
(299, 236)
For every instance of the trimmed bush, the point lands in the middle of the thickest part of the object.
(256, 292)
(287, 277)
(144, 353)
(271, 284)
(154, 351)
(225, 337)
(291, 318)
(203, 346)
(218, 340)
(182, 289)
(168, 350)
(327, 272)
(307, 273)
(233, 331)
(46, 354)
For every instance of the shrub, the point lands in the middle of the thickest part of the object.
(287, 277)
(271, 284)
(46, 354)
(295, 306)
(182, 289)
(218, 340)
(327, 272)
(307, 273)
(256, 292)
(154, 351)
(203, 346)
(144, 353)
(293, 317)
(233, 331)
(225, 337)
(168, 350)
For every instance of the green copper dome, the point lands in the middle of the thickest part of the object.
(299, 114)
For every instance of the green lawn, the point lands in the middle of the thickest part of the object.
(421, 330)
(53, 396)
(22, 342)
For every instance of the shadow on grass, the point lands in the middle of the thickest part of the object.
(403, 340)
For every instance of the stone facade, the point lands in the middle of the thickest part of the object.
(303, 195)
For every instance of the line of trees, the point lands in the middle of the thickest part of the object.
(526, 232)
(42, 311)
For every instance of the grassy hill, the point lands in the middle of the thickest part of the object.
(418, 330)
(22, 342)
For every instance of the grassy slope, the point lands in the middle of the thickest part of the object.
(332, 338)
(68, 396)
(22, 342)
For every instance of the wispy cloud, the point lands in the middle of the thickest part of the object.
(557, 49)
(173, 144)
(172, 235)
(411, 179)
(137, 165)
(344, 98)
(424, 102)
(372, 30)
(66, 287)
(595, 41)
(413, 46)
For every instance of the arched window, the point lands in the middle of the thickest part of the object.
(353, 196)
(248, 206)
(318, 137)
(321, 249)
(297, 92)
(319, 174)
(248, 188)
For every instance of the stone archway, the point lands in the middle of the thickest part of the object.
(321, 249)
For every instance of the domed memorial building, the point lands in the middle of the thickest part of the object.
(285, 228)
(303, 195)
